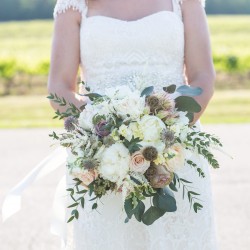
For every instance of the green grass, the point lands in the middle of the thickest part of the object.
(35, 111)
(228, 106)
(26, 112)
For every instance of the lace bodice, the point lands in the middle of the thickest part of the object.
(143, 52)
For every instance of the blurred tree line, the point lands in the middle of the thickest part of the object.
(43, 9)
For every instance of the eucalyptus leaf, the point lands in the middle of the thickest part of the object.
(82, 202)
(139, 211)
(94, 206)
(189, 91)
(147, 91)
(126, 220)
(70, 219)
(187, 103)
(92, 96)
(135, 180)
(128, 205)
(170, 89)
(197, 207)
(165, 201)
(190, 116)
(151, 215)
(73, 205)
(173, 187)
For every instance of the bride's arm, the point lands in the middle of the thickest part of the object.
(198, 57)
(65, 58)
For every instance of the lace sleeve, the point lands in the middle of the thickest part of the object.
(203, 2)
(63, 5)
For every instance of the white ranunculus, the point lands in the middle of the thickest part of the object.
(177, 162)
(86, 116)
(115, 162)
(151, 127)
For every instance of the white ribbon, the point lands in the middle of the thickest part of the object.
(12, 202)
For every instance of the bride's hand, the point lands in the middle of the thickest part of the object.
(198, 57)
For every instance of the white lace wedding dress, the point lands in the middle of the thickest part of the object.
(115, 52)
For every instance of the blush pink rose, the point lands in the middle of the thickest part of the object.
(138, 163)
(86, 177)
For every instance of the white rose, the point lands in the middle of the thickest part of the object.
(86, 116)
(177, 162)
(151, 127)
(115, 162)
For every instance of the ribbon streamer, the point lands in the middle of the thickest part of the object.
(12, 202)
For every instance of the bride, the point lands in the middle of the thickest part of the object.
(116, 42)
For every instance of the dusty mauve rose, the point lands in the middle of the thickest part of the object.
(138, 163)
(86, 177)
(101, 129)
(159, 176)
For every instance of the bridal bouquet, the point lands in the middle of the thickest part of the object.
(134, 143)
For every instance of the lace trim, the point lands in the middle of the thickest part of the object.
(63, 5)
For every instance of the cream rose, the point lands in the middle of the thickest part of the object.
(86, 176)
(115, 162)
(138, 163)
(177, 162)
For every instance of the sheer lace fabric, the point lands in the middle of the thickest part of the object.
(116, 52)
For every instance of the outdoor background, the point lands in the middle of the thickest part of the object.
(26, 119)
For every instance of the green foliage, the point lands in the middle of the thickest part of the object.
(8, 68)
(147, 91)
(192, 196)
(202, 142)
(71, 110)
(133, 145)
(189, 91)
